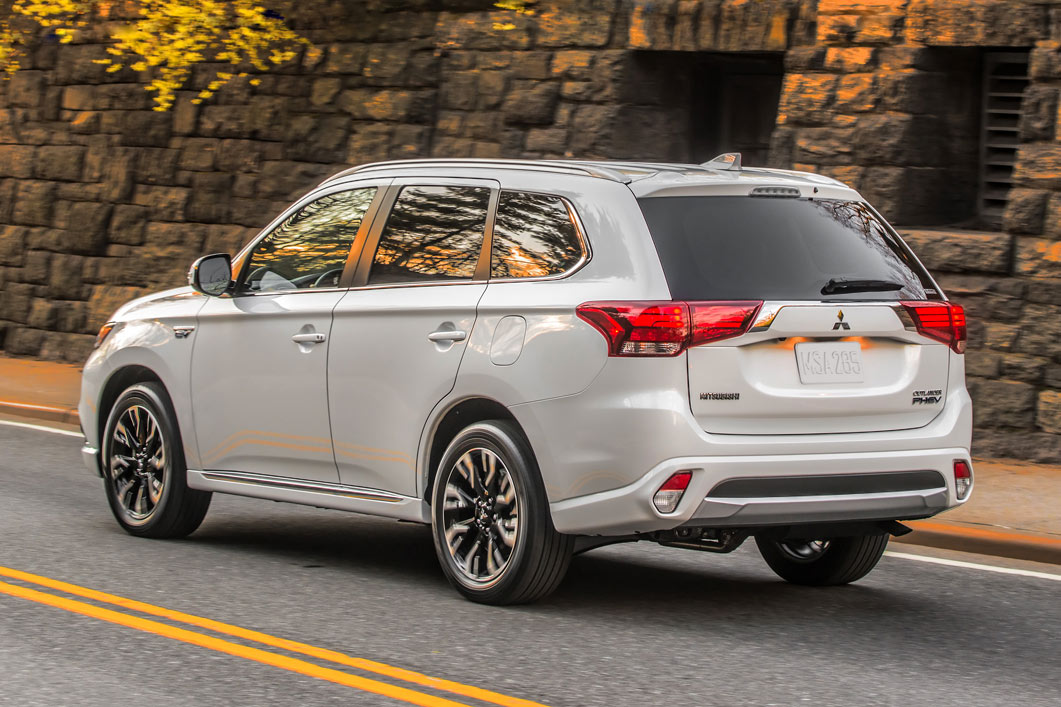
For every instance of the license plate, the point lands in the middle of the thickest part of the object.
(839, 362)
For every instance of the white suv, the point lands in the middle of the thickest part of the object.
(540, 358)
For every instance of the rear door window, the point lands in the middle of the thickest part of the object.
(433, 233)
(534, 236)
(739, 247)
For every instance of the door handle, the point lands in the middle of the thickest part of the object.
(447, 335)
(311, 338)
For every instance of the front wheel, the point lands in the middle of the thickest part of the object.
(144, 469)
(822, 562)
(493, 533)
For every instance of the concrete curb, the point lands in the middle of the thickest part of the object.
(985, 541)
(43, 413)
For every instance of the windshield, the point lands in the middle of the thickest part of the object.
(763, 248)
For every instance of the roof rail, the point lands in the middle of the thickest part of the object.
(650, 167)
(570, 167)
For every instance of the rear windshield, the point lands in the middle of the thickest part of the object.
(740, 247)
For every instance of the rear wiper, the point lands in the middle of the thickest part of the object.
(839, 284)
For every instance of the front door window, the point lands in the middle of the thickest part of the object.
(310, 248)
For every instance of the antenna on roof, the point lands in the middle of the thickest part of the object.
(728, 160)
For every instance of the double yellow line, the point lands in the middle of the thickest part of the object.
(258, 655)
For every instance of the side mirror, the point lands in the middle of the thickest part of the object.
(211, 274)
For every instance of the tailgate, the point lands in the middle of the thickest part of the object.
(820, 369)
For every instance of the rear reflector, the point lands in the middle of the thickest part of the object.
(666, 328)
(942, 321)
(671, 492)
(963, 478)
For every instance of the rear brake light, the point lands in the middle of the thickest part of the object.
(942, 321)
(963, 478)
(715, 321)
(671, 492)
(666, 328)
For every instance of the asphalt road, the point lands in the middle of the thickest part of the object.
(632, 625)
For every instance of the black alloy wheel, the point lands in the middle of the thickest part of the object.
(493, 533)
(481, 515)
(137, 463)
(144, 469)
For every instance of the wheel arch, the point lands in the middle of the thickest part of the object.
(455, 418)
(118, 381)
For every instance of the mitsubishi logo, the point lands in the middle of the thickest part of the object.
(840, 323)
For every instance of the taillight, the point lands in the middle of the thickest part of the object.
(715, 321)
(639, 328)
(942, 321)
(670, 493)
(963, 478)
(666, 328)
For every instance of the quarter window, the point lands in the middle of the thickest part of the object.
(309, 249)
(534, 236)
(433, 233)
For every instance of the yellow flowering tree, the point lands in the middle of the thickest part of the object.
(163, 38)
(520, 7)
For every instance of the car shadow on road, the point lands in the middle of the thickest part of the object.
(316, 538)
(642, 577)
(705, 583)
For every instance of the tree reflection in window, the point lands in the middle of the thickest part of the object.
(856, 217)
(309, 249)
(533, 236)
(433, 233)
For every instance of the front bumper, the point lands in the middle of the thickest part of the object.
(90, 455)
(629, 509)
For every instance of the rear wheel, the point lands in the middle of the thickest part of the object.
(490, 519)
(144, 469)
(822, 562)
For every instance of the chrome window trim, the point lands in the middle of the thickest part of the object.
(431, 283)
(274, 293)
(580, 231)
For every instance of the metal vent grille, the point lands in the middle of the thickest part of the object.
(1005, 78)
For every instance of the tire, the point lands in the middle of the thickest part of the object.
(471, 505)
(821, 563)
(144, 472)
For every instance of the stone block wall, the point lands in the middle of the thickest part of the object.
(103, 199)
(1013, 359)
(887, 99)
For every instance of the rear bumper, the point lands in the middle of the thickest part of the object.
(629, 509)
(738, 512)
